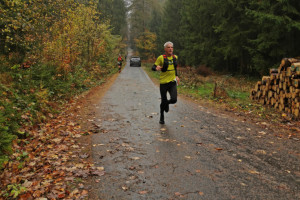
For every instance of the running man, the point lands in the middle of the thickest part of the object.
(169, 79)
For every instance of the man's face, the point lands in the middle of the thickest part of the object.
(169, 49)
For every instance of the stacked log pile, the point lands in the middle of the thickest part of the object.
(282, 88)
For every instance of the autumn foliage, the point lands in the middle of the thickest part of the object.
(146, 44)
(49, 52)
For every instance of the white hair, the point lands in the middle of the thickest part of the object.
(167, 43)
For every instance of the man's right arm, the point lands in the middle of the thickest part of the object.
(157, 64)
(154, 67)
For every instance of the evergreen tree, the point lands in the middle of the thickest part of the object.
(171, 25)
(118, 20)
(115, 12)
(156, 20)
(277, 32)
(197, 34)
(244, 37)
(234, 28)
(137, 18)
(140, 17)
(155, 24)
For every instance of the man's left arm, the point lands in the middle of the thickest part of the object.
(178, 80)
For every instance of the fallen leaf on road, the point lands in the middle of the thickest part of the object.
(103, 131)
(262, 132)
(253, 172)
(188, 157)
(135, 158)
(243, 184)
(198, 171)
(219, 149)
(163, 140)
(125, 145)
(143, 192)
(97, 173)
(201, 193)
(261, 152)
(100, 168)
(177, 193)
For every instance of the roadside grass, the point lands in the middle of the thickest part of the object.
(230, 93)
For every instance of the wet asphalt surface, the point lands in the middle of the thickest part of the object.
(197, 154)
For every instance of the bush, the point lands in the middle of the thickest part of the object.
(30, 96)
(204, 71)
(45, 63)
(5, 137)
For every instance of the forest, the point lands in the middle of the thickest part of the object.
(51, 51)
(238, 37)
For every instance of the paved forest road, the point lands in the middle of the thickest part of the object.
(197, 154)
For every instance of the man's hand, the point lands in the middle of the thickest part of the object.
(158, 68)
(178, 80)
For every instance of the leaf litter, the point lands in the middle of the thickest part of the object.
(48, 164)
